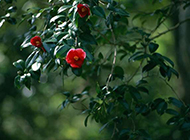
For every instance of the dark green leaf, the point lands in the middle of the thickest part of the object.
(119, 71)
(134, 93)
(153, 47)
(19, 64)
(175, 102)
(143, 89)
(100, 56)
(61, 51)
(77, 72)
(31, 59)
(17, 82)
(174, 72)
(99, 11)
(124, 132)
(140, 82)
(161, 108)
(12, 9)
(185, 126)
(12, 20)
(172, 121)
(8, 1)
(86, 120)
(121, 12)
(63, 8)
(87, 38)
(172, 112)
(149, 67)
(55, 18)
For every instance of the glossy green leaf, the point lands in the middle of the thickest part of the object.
(153, 47)
(62, 51)
(77, 71)
(175, 102)
(172, 112)
(99, 11)
(19, 64)
(12, 9)
(87, 38)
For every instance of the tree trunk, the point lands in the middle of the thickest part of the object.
(182, 49)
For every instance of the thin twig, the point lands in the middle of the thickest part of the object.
(170, 29)
(114, 60)
(173, 90)
(135, 72)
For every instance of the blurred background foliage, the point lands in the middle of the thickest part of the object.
(35, 114)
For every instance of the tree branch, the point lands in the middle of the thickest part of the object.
(170, 29)
(114, 60)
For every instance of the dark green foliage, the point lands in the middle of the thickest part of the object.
(116, 100)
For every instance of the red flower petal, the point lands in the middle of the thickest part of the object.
(81, 53)
(83, 10)
(72, 54)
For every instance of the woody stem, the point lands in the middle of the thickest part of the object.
(114, 60)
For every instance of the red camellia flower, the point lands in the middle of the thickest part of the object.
(36, 41)
(83, 10)
(75, 57)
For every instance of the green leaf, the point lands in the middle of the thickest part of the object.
(140, 57)
(185, 126)
(62, 51)
(77, 72)
(119, 71)
(175, 102)
(145, 134)
(172, 112)
(143, 89)
(87, 38)
(104, 126)
(124, 132)
(17, 82)
(47, 67)
(1, 23)
(89, 56)
(125, 104)
(63, 8)
(161, 108)
(27, 81)
(172, 121)
(100, 56)
(168, 60)
(49, 46)
(134, 93)
(121, 12)
(31, 59)
(19, 64)
(174, 72)
(86, 120)
(66, 1)
(109, 20)
(35, 74)
(55, 18)
(153, 47)
(149, 67)
(12, 20)
(140, 82)
(8, 1)
(12, 9)
(135, 55)
(99, 11)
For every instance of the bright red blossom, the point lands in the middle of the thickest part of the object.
(83, 10)
(37, 42)
(75, 57)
